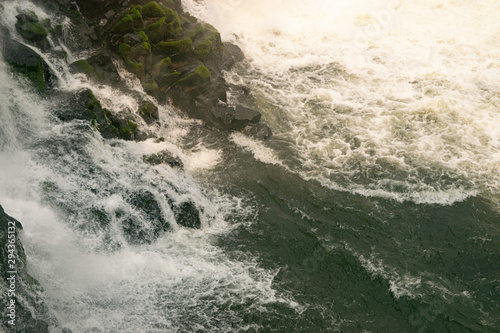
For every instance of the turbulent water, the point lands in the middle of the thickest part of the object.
(374, 208)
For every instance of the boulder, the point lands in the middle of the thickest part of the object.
(149, 112)
(187, 215)
(27, 62)
(259, 131)
(234, 118)
(147, 223)
(163, 157)
(84, 105)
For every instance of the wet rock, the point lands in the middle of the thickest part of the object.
(27, 17)
(234, 118)
(148, 223)
(27, 62)
(104, 68)
(132, 39)
(31, 315)
(187, 215)
(149, 112)
(163, 157)
(110, 14)
(83, 105)
(259, 131)
(29, 28)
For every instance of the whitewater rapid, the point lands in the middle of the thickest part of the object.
(71, 189)
(395, 99)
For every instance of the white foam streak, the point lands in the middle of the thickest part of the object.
(421, 88)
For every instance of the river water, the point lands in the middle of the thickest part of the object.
(375, 207)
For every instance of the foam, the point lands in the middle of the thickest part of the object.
(422, 89)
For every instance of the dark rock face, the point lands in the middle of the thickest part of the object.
(29, 64)
(187, 215)
(31, 315)
(177, 57)
(149, 112)
(164, 157)
(83, 105)
(149, 222)
(99, 66)
(259, 131)
(235, 118)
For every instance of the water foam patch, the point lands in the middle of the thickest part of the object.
(411, 115)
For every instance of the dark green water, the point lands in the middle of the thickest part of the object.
(360, 264)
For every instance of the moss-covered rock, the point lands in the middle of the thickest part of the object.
(136, 15)
(81, 66)
(163, 157)
(31, 31)
(125, 25)
(200, 75)
(168, 79)
(152, 9)
(28, 63)
(158, 31)
(180, 47)
(124, 50)
(211, 43)
(151, 88)
(149, 112)
(145, 42)
(163, 67)
(128, 129)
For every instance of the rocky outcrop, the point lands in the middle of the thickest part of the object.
(175, 56)
(187, 215)
(148, 223)
(163, 157)
(22, 301)
(85, 106)
(29, 64)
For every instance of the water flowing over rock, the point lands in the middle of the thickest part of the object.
(175, 56)
(31, 314)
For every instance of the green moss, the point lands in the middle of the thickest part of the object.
(32, 280)
(31, 31)
(176, 47)
(161, 139)
(148, 110)
(151, 88)
(124, 50)
(162, 67)
(199, 75)
(134, 67)
(157, 31)
(125, 25)
(145, 41)
(152, 9)
(82, 66)
(168, 3)
(132, 126)
(125, 131)
(198, 31)
(136, 15)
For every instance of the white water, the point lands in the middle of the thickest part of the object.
(54, 176)
(390, 98)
